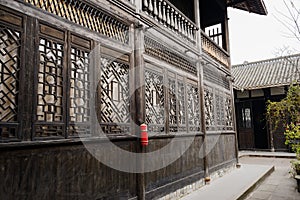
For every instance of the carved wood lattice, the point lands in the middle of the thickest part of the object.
(193, 107)
(154, 94)
(79, 92)
(172, 106)
(10, 42)
(220, 111)
(213, 76)
(156, 49)
(209, 107)
(181, 106)
(85, 15)
(50, 107)
(228, 113)
(114, 105)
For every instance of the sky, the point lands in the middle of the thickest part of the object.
(256, 37)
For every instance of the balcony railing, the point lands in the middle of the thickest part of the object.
(214, 50)
(168, 15)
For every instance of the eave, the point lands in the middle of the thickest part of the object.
(253, 6)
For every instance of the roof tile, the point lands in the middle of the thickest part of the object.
(267, 73)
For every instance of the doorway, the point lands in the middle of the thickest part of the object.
(259, 123)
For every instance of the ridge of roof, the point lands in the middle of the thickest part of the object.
(266, 61)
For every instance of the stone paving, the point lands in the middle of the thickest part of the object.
(279, 185)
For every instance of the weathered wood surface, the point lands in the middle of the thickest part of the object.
(163, 78)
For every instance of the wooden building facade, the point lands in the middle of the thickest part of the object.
(163, 63)
(255, 84)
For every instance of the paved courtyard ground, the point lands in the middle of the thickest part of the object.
(279, 185)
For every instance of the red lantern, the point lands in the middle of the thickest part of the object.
(144, 135)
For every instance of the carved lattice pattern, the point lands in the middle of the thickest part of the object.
(172, 106)
(209, 107)
(215, 77)
(156, 49)
(50, 88)
(181, 106)
(154, 92)
(220, 110)
(85, 15)
(193, 107)
(10, 42)
(114, 105)
(222, 113)
(79, 92)
(228, 113)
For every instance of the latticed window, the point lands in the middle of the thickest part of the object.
(155, 101)
(176, 102)
(10, 49)
(114, 96)
(193, 107)
(63, 85)
(218, 109)
(244, 115)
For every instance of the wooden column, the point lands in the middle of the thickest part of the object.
(238, 165)
(225, 36)
(203, 125)
(197, 22)
(267, 95)
(201, 84)
(27, 90)
(139, 102)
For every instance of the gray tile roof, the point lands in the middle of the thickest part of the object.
(267, 73)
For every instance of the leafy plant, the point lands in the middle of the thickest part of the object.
(287, 113)
(295, 167)
(292, 137)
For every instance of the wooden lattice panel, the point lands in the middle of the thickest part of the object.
(220, 110)
(228, 112)
(161, 52)
(50, 107)
(181, 99)
(173, 117)
(10, 44)
(193, 107)
(85, 15)
(79, 111)
(155, 101)
(215, 77)
(114, 103)
(209, 107)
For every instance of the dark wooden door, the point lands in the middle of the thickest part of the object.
(259, 122)
(245, 125)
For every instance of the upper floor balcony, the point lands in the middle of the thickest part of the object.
(199, 22)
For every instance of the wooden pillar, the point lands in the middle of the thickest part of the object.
(225, 35)
(267, 95)
(29, 67)
(238, 165)
(203, 124)
(197, 22)
(139, 102)
(201, 86)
